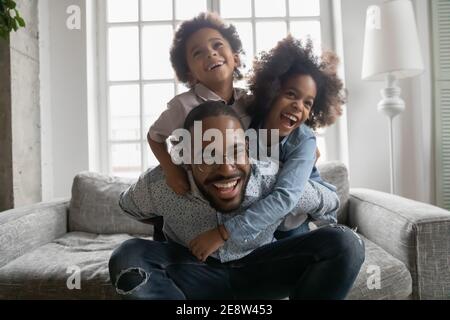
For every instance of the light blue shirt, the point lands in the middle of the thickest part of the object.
(298, 155)
(185, 217)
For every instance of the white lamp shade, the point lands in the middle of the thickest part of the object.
(391, 44)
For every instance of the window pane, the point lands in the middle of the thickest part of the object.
(124, 112)
(119, 12)
(268, 34)
(235, 8)
(305, 29)
(303, 8)
(123, 53)
(156, 10)
(126, 160)
(152, 161)
(156, 43)
(189, 9)
(244, 30)
(270, 8)
(321, 144)
(156, 97)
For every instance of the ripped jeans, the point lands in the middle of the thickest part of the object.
(321, 264)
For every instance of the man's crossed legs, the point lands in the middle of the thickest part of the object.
(321, 264)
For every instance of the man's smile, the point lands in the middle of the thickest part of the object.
(227, 189)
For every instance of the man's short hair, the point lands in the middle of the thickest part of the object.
(210, 109)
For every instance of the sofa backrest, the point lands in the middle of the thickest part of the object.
(336, 173)
(94, 206)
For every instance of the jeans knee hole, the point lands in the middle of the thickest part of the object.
(137, 277)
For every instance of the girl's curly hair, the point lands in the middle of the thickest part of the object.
(292, 57)
(188, 28)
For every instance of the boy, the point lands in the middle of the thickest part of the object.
(205, 55)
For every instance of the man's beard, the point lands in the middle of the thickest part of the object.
(211, 199)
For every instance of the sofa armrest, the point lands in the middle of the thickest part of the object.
(416, 233)
(24, 229)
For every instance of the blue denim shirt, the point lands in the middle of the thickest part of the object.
(298, 155)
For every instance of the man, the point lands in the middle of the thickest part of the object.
(320, 264)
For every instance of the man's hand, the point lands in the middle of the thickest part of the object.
(177, 180)
(206, 243)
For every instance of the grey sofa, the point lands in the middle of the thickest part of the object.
(47, 247)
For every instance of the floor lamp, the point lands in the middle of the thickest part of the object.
(391, 52)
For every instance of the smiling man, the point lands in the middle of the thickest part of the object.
(321, 264)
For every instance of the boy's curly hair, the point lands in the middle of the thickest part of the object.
(292, 57)
(189, 27)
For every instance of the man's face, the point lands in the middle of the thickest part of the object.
(224, 183)
(210, 58)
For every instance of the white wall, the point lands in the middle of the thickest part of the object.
(66, 149)
(368, 129)
(64, 99)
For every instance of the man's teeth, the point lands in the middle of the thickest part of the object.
(227, 185)
(291, 117)
(218, 64)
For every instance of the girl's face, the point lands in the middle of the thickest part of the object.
(210, 58)
(292, 107)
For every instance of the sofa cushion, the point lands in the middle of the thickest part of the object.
(336, 173)
(44, 272)
(395, 279)
(94, 206)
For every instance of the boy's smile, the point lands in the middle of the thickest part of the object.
(293, 105)
(210, 58)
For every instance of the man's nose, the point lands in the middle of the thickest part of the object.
(226, 169)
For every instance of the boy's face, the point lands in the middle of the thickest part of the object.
(293, 105)
(210, 58)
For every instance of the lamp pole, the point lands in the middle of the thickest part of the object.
(391, 105)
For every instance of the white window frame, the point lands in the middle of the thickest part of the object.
(327, 40)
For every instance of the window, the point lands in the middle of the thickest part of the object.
(137, 80)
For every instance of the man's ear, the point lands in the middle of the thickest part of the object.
(237, 60)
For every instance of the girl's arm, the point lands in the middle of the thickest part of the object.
(284, 197)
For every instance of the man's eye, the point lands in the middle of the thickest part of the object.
(290, 94)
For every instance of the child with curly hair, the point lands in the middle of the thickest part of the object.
(205, 55)
(295, 92)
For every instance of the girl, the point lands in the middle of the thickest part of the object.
(295, 92)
